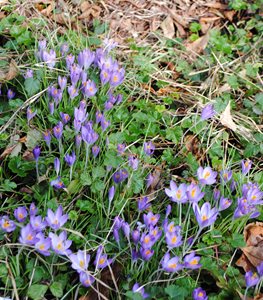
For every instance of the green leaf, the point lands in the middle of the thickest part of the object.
(56, 289)
(85, 179)
(98, 172)
(33, 137)
(37, 291)
(176, 292)
(259, 99)
(8, 185)
(237, 240)
(15, 103)
(195, 27)
(25, 38)
(133, 296)
(32, 86)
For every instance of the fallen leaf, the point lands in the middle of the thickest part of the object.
(62, 19)
(253, 252)
(226, 119)
(209, 19)
(198, 46)
(28, 156)
(10, 72)
(85, 6)
(216, 5)
(180, 28)
(7, 151)
(94, 11)
(168, 28)
(229, 14)
(243, 297)
(26, 190)
(47, 12)
(2, 15)
(191, 143)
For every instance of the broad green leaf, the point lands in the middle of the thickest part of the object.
(37, 291)
(32, 86)
(56, 289)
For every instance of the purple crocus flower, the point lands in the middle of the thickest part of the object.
(111, 193)
(99, 117)
(42, 44)
(89, 88)
(109, 44)
(49, 58)
(64, 49)
(206, 175)
(143, 203)
(6, 224)
(78, 140)
(60, 244)
(58, 130)
(36, 152)
(86, 279)
(37, 223)
(155, 233)
(194, 193)
(83, 76)
(51, 107)
(148, 148)
(126, 229)
(121, 148)
(70, 60)
(65, 118)
(43, 244)
(150, 219)
(95, 150)
(137, 289)
(216, 194)
(226, 175)
(88, 135)
(177, 194)
(62, 82)
(146, 253)
(57, 165)
(75, 71)
(20, 213)
(117, 77)
(136, 236)
(73, 92)
(173, 239)
(171, 265)
(33, 209)
(251, 279)
(120, 175)
(10, 94)
(191, 261)
(28, 74)
(199, 294)
(147, 241)
(47, 137)
(133, 162)
(86, 58)
(56, 94)
(70, 159)
(254, 196)
(104, 124)
(246, 166)
(224, 203)
(208, 112)
(101, 260)
(205, 216)
(80, 261)
(27, 235)
(105, 76)
(56, 220)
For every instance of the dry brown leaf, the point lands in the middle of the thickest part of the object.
(28, 156)
(253, 252)
(216, 5)
(198, 46)
(177, 18)
(229, 14)
(62, 19)
(7, 151)
(180, 28)
(168, 27)
(47, 12)
(2, 15)
(209, 19)
(10, 73)
(253, 233)
(94, 11)
(26, 190)
(226, 118)
(257, 297)
(191, 143)
(85, 6)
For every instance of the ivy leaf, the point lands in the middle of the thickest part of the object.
(32, 86)
(56, 289)
(37, 291)
(176, 292)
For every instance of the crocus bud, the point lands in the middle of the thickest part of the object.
(36, 152)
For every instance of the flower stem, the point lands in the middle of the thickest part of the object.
(194, 240)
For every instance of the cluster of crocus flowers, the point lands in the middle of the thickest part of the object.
(47, 236)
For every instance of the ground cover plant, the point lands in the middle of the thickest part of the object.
(117, 185)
